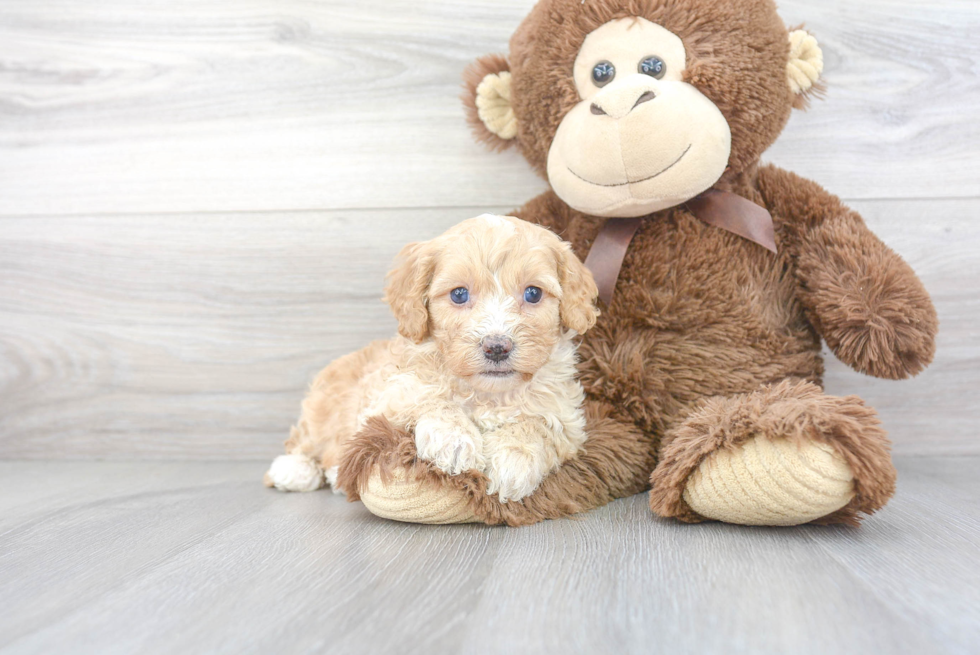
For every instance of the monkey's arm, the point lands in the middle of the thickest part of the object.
(864, 300)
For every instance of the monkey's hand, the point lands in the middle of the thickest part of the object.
(868, 304)
(864, 300)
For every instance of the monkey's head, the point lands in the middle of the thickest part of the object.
(633, 106)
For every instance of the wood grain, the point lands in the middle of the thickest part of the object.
(164, 332)
(197, 557)
(192, 106)
(193, 337)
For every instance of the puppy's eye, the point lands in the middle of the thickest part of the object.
(532, 295)
(653, 66)
(459, 295)
(603, 73)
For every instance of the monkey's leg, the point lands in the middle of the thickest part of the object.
(784, 455)
(381, 469)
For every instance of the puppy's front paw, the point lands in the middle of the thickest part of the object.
(514, 474)
(452, 446)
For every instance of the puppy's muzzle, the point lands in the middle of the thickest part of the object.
(497, 348)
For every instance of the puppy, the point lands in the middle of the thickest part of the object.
(483, 369)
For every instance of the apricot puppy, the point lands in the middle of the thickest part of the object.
(482, 369)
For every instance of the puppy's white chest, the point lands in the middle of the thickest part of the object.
(489, 420)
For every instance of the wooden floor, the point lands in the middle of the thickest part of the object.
(200, 557)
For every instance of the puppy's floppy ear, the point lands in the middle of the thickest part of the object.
(406, 288)
(486, 97)
(578, 311)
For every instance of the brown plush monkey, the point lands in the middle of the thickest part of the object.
(648, 118)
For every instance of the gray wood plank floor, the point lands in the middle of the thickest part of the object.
(198, 557)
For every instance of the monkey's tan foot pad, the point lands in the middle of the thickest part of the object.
(411, 501)
(770, 482)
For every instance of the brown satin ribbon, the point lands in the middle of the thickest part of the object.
(606, 256)
(723, 209)
(732, 212)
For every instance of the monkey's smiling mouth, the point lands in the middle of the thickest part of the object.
(628, 182)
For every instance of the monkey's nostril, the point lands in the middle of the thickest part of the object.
(646, 97)
(597, 110)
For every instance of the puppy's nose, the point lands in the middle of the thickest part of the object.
(497, 348)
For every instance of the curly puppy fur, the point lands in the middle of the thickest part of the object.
(514, 414)
(709, 337)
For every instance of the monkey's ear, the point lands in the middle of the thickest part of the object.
(407, 289)
(487, 100)
(804, 67)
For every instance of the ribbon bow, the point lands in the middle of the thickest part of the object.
(723, 209)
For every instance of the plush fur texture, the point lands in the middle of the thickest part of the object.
(514, 415)
(710, 339)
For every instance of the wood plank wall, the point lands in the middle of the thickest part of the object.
(199, 200)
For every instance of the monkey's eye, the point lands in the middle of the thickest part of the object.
(533, 295)
(459, 295)
(603, 73)
(653, 66)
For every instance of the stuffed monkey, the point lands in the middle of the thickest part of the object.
(719, 275)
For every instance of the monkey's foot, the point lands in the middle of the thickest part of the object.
(784, 455)
(770, 482)
(406, 499)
